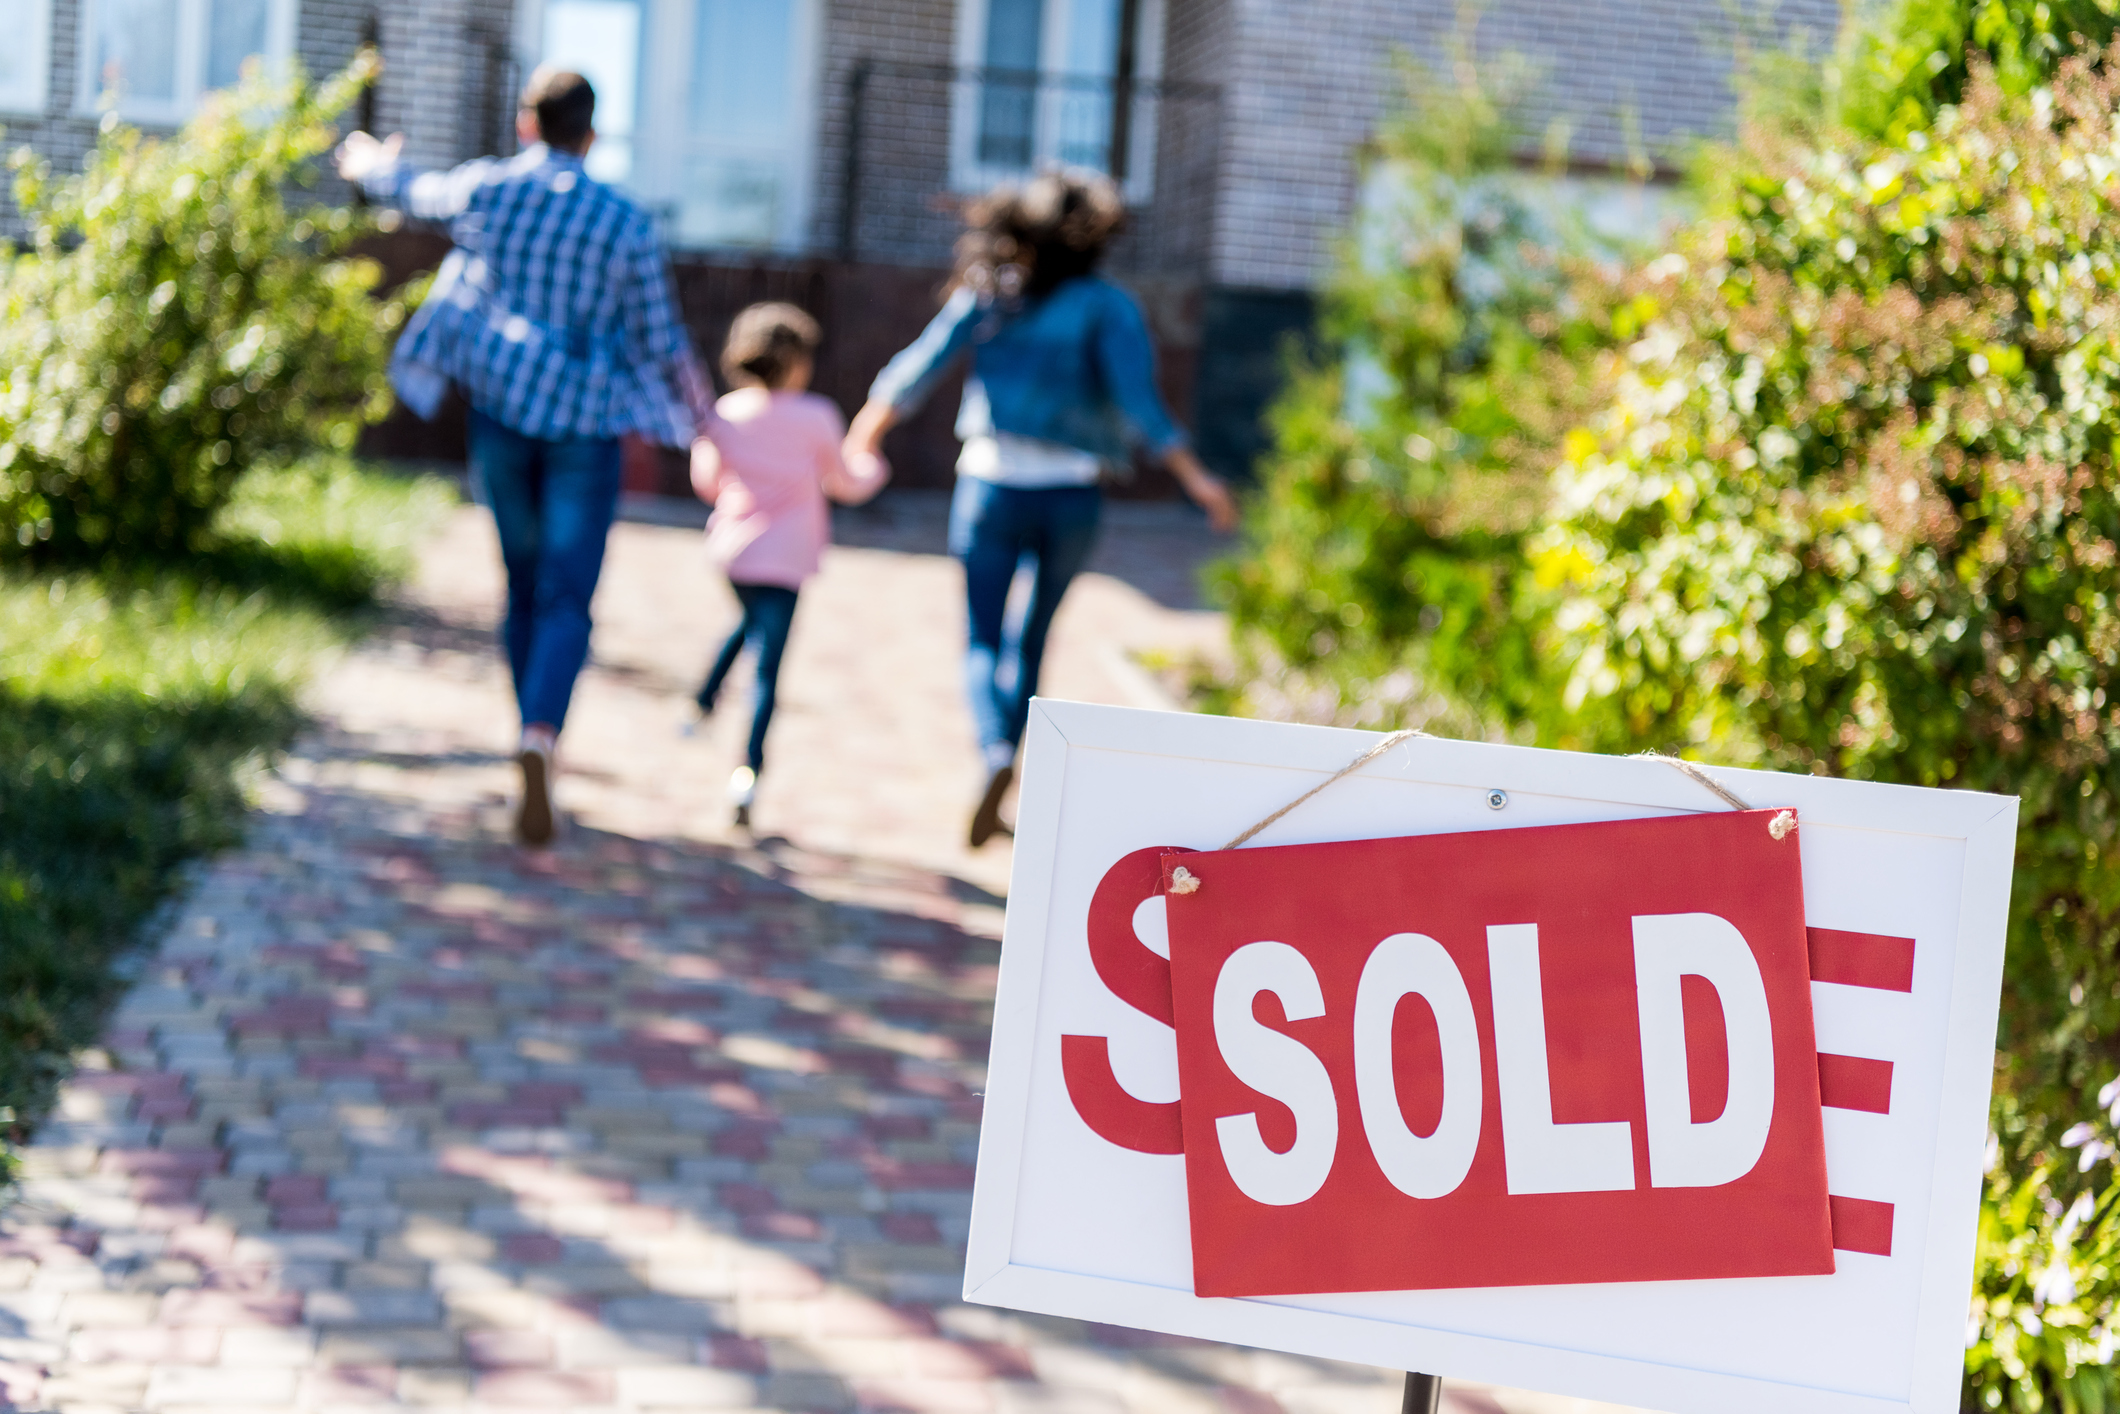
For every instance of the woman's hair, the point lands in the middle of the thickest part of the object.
(1030, 238)
(766, 341)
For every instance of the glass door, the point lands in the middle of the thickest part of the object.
(600, 40)
(1077, 127)
(236, 32)
(25, 63)
(153, 60)
(744, 129)
(1050, 81)
(704, 110)
(137, 62)
(1008, 92)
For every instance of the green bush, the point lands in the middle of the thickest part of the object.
(134, 701)
(1854, 509)
(175, 323)
(1849, 504)
(2043, 1320)
(1895, 70)
(1405, 472)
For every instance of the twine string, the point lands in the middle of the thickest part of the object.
(1703, 777)
(1345, 771)
(1780, 826)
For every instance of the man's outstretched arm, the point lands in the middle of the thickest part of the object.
(376, 166)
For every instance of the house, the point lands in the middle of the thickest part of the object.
(815, 149)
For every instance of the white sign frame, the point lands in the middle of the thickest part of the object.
(1252, 768)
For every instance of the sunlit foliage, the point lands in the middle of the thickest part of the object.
(176, 321)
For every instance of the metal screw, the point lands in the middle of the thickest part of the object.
(1497, 799)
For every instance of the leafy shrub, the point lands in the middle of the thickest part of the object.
(1405, 473)
(1853, 506)
(1895, 70)
(1850, 504)
(2044, 1312)
(176, 323)
(1854, 509)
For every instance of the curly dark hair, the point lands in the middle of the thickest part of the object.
(767, 340)
(1029, 238)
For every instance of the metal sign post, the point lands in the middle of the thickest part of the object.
(1424, 1394)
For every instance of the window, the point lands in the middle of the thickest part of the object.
(1055, 81)
(600, 40)
(733, 84)
(26, 58)
(153, 60)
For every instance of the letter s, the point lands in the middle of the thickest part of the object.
(1279, 1067)
(1141, 979)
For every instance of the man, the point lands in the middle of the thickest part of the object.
(554, 317)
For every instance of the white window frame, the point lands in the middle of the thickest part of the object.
(34, 91)
(530, 39)
(968, 174)
(663, 148)
(282, 17)
(664, 86)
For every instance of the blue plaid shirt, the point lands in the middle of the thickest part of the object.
(554, 313)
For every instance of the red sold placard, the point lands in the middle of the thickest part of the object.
(1578, 1053)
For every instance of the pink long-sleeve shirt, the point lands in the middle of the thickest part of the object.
(774, 459)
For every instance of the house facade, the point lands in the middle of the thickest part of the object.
(817, 149)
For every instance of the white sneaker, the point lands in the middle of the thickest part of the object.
(743, 789)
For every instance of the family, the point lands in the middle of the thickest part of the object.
(555, 319)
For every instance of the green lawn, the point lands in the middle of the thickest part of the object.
(132, 704)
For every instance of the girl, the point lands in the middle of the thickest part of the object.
(1062, 386)
(767, 462)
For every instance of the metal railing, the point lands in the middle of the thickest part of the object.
(919, 138)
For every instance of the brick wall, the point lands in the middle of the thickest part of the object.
(448, 76)
(1306, 84)
(1199, 48)
(904, 159)
(58, 136)
(905, 209)
(446, 80)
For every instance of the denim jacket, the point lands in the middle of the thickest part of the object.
(1074, 366)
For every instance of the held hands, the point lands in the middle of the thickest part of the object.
(865, 437)
(362, 155)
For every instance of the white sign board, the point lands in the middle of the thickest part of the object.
(1069, 1223)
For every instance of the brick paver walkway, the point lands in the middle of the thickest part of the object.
(666, 1119)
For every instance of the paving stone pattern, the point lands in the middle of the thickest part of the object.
(667, 1118)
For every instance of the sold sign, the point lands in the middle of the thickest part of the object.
(1514, 1066)
(1580, 1053)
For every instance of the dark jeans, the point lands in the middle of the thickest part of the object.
(995, 530)
(552, 503)
(768, 614)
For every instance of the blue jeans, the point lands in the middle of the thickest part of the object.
(768, 614)
(994, 530)
(552, 503)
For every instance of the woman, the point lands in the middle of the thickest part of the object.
(1062, 386)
